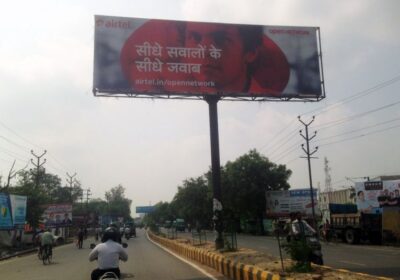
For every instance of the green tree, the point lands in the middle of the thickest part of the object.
(118, 204)
(244, 183)
(162, 212)
(39, 189)
(193, 202)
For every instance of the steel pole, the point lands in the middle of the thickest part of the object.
(216, 170)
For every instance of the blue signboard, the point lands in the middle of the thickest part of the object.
(5, 212)
(144, 209)
(18, 207)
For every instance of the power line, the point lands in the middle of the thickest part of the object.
(30, 143)
(12, 142)
(289, 138)
(329, 107)
(19, 136)
(359, 136)
(350, 118)
(276, 136)
(355, 96)
(289, 150)
(360, 129)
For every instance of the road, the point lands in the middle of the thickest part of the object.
(146, 261)
(375, 260)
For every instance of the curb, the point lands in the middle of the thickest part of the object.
(230, 269)
(17, 254)
(28, 251)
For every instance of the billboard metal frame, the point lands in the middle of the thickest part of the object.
(212, 100)
(237, 97)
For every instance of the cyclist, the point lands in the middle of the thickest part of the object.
(108, 254)
(47, 240)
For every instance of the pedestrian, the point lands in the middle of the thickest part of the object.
(80, 238)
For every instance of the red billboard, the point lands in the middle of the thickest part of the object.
(147, 57)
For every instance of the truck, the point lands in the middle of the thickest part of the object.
(353, 226)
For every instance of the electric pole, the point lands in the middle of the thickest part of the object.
(88, 194)
(70, 181)
(38, 164)
(309, 157)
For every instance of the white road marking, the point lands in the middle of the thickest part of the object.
(182, 259)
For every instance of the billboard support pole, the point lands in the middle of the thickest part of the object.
(309, 156)
(216, 169)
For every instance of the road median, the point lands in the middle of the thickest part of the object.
(246, 264)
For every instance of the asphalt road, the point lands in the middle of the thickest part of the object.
(375, 260)
(146, 261)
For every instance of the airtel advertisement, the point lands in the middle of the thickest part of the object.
(147, 57)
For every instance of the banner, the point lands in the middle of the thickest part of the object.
(144, 209)
(282, 203)
(57, 215)
(371, 196)
(181, 58)
(5, 212)
(18, 207)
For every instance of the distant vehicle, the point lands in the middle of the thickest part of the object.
(132, 227)
(352, 226)
(179, 224)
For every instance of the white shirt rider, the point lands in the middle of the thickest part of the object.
(108, 254)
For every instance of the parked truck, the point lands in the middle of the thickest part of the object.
(352, 226)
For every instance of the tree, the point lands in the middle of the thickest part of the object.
(244, 183)
(162, 212)
(38, 194)
(193, 201)
(118, 204)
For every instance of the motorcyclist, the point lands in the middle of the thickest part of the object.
(108, 254)
(127, 232)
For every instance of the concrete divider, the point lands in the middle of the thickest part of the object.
(231, 269)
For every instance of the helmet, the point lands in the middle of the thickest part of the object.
(110, 233)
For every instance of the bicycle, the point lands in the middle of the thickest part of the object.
(46, 254)
(39, 254)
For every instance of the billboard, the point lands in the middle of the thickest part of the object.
(144, 209)
(18, 207)
(148, 57)
(371, 196)
(5, 212)
(281, 203)
(56, 215)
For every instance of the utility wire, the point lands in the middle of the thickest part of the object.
(325, 109)
(355, 116)
(289, 150)
(289, 138)
(276, 136)
(360, 129)
(359, 136)
(355, 96)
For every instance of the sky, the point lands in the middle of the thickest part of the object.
(151, 146)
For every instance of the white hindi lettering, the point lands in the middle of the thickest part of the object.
(214, 52)
(186, 52)
(147, 49)
(184, 67)
(149, 66)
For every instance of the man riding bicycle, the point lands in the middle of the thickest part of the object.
(108, 254)
(47, 240)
